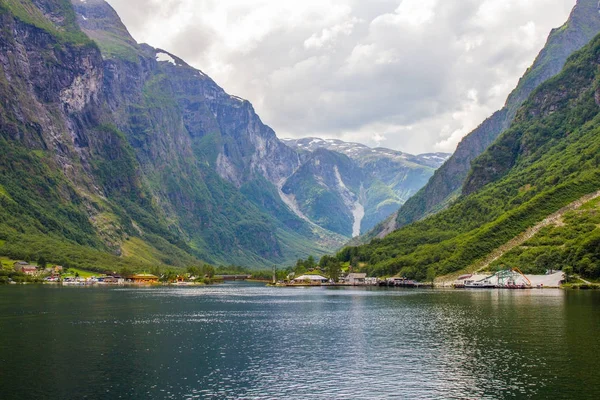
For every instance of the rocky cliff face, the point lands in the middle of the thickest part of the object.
(135, 153)
(206, 152)
(447, 182)
(326, 189)
(349, 187)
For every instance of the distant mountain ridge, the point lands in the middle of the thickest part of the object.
(359, 152)
(349, 187)
(447, 182)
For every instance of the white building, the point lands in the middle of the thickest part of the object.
(356, 279)
(311, 279)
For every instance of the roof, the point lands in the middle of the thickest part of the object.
(146, 276)
(310, 278)
(356, 276)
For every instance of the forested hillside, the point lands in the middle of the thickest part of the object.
(445, 185)
(549, 158)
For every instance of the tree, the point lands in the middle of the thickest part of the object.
(155, 271)
(310, 263)
(568, 271)
(324, 261)
(42, 262)
(194, 271)
(125, 272)
(169, 276)
(334, 269)
(300, 267)
(209, 271)
(431, 274)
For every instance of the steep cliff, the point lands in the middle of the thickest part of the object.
(70, 183)
(446, 183)
(126, 155)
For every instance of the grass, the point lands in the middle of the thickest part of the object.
(581, 286)
(6, 262)
(4, 193)
(113, 46)
(136, 249)
(26, 12)
(82, 273)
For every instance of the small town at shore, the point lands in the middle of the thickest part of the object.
(22, 272)
(509, 279)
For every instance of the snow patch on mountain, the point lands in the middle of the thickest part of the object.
(165, 57)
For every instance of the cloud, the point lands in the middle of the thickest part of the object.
(329, 35)
(413, 75)
(412, 13)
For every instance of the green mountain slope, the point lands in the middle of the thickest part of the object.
(446, 183)
(546, 160)
(112, 151)
(326, 188)
(50, 169)
(372, 183)
(573, 240)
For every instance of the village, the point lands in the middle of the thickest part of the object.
(504, 279)
(351, 279)
(27, 273)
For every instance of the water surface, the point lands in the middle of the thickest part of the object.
(244, 340)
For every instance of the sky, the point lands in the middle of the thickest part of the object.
(411, 75)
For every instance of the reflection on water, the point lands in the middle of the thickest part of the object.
(247, 341)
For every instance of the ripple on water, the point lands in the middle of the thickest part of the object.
(249, 341)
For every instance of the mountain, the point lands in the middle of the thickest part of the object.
(115, 153)
(445, 185)
(543, 172)
(363, 154)
(347, 188)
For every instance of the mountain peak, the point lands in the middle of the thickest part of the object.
(363, 153)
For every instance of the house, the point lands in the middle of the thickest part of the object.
(372, 281)
(19, 265)
(310, 279)
(144, 278)
(113, 280)
(25, 268)
(30, 270)
(356, 279)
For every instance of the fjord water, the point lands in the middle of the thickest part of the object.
(243, 340)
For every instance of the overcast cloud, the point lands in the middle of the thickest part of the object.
(412, 75)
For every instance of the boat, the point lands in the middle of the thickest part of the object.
(485, 284)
